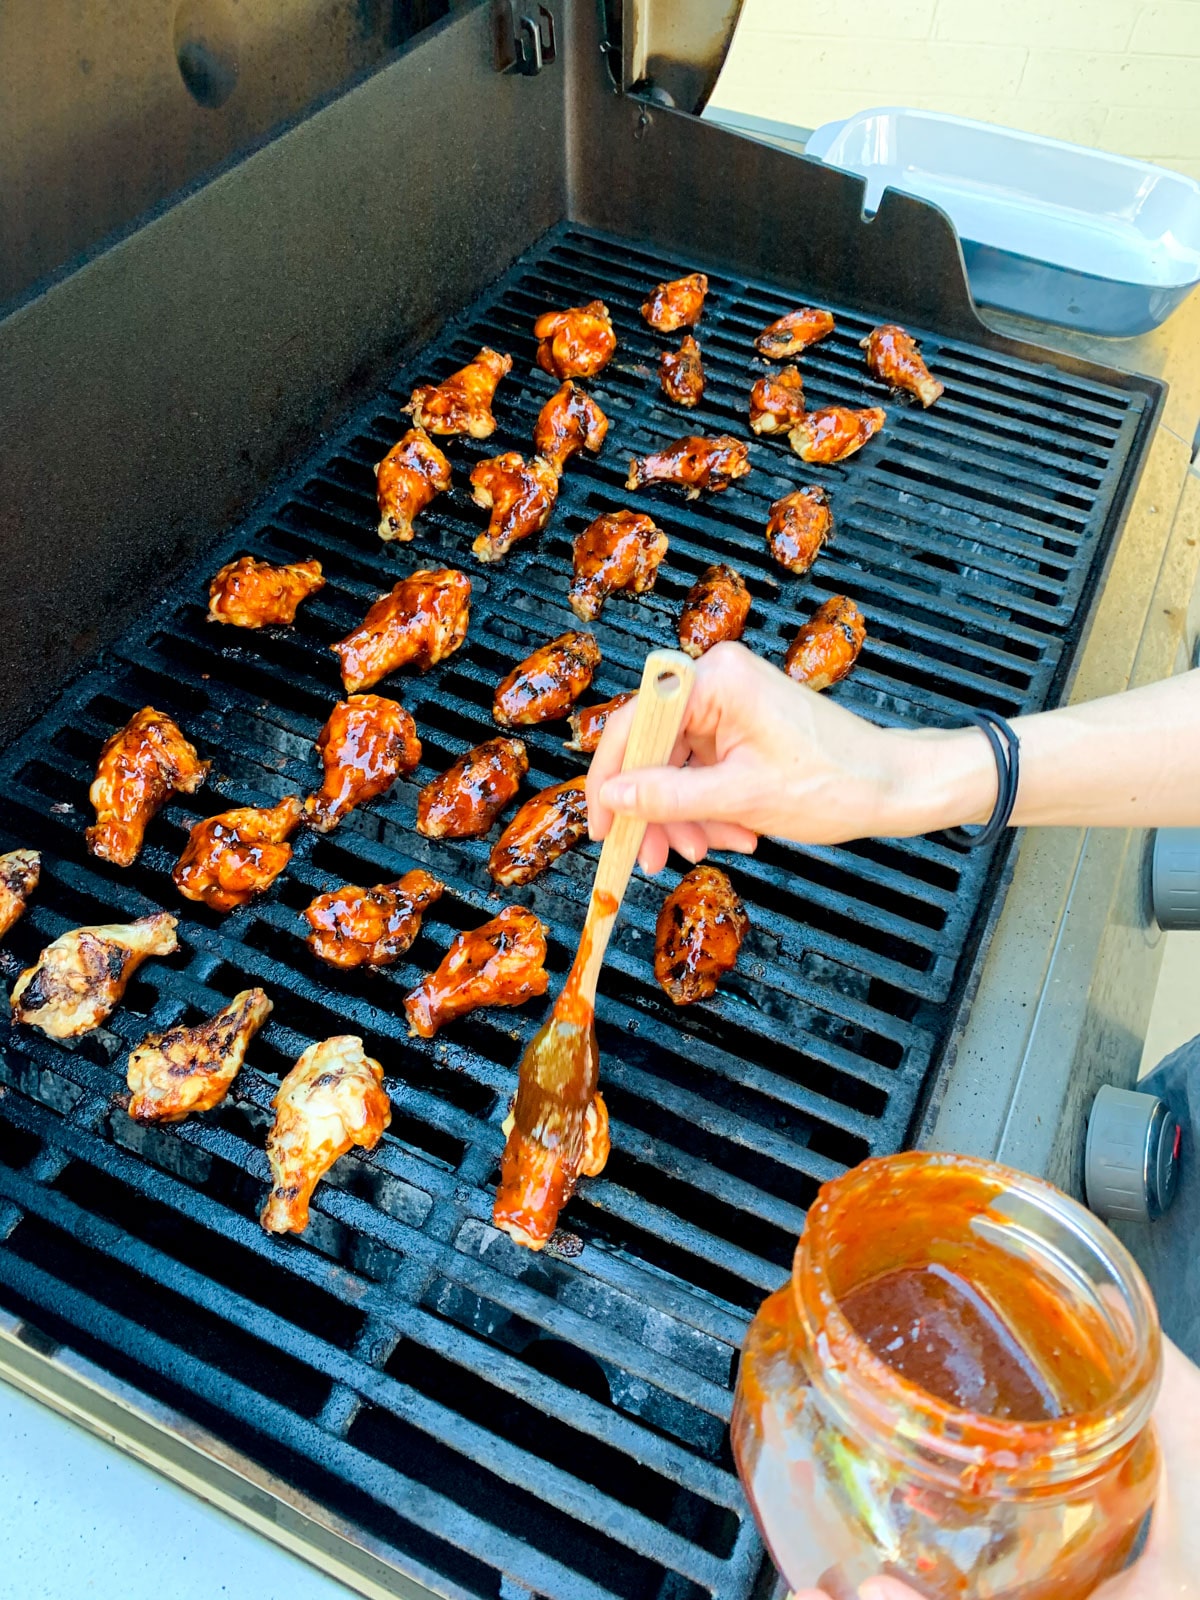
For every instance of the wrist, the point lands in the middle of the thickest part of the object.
(937, 779)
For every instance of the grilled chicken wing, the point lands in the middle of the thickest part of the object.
(680, 373)
(80, 978)
(353, 927)
(546, 684)
(575, 343)
(835, 433)
(777, 403)
(693, 463)
(700, 931)
(893, 356)
(421, 621)
(545, 828)
(677, 304)
(140, 767)
(535, 1183)
(471, 794)
(793, 333)
(798, 526)
(411, 474)
(230, 858)
(570, 421)
(19, 874)
(716, 608)
(366, 745)
(253, 594)
(587, 723)
(463, 403)
(828, 644)
(519, 494)
(191, 1069)
(332, 1099)
(619, 551)
(500, 964)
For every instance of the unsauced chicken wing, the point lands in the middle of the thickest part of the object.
(793, 333)
(798, 526)
(570, 421)
(332, 1099)
(716, 608)
(575, 343)
(699, 933)
(366, 745)
(230, 858)
(353, 927)
(834, 433)
(500, 964)
(468, 798)
(140, 767)
(777, 403)
(411, 474)
(253, 594)
(893, 356)
(681, 374)
(463, 403)
(519, 494)
(693, 463)
(677, 304)
(535, 1183)
(587, 723)
(545, 828)
(546, 684)
(421, 621)
(77, 980)
(828, 644)
(19, 873)
(619, 551)
(191, 1069)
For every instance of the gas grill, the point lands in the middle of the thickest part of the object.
(402, 1392)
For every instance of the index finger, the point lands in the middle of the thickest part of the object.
(606, 763)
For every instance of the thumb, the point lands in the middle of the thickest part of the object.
(671, 794)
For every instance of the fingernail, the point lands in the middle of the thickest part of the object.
(688, 852)
(619, 794)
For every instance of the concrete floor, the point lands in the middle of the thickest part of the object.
(1175, 1015)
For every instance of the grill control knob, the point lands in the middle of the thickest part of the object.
(1175, 878)
(1131, 1164)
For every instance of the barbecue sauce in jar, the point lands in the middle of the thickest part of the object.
(954, 1388)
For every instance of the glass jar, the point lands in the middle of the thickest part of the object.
(982, 1426)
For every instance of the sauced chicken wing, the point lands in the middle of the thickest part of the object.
(546, 684)
(230, 858)
(140, 767)
(353, 927)
(253, 594)
(700, 931)
(411, 474)
(681, 374)
(519, 494)
(777, 403)
(828, 644)
(716, 608)
(535, 1183)
(463, 403)
(332, 1099)
(77, 980)
(834, 433)
(545, 828)
(798, 526)
(421, 621)
(677, 304)
(893, 356)
(587, 723)
(471, 794)
(501, 964)
(570, 421)
(693, 463)
(619, 551)
(793, 333)
(191, 1069)
(19, 874)
(366, 745)
(575, 343)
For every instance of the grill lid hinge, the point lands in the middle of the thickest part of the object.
(523, 42)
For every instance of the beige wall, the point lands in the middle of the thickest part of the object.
(1120, 74)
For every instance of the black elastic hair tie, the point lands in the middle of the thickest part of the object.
(1007, 751)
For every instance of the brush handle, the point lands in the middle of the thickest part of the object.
(663, 696)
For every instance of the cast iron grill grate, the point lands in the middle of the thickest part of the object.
(501, 1424)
